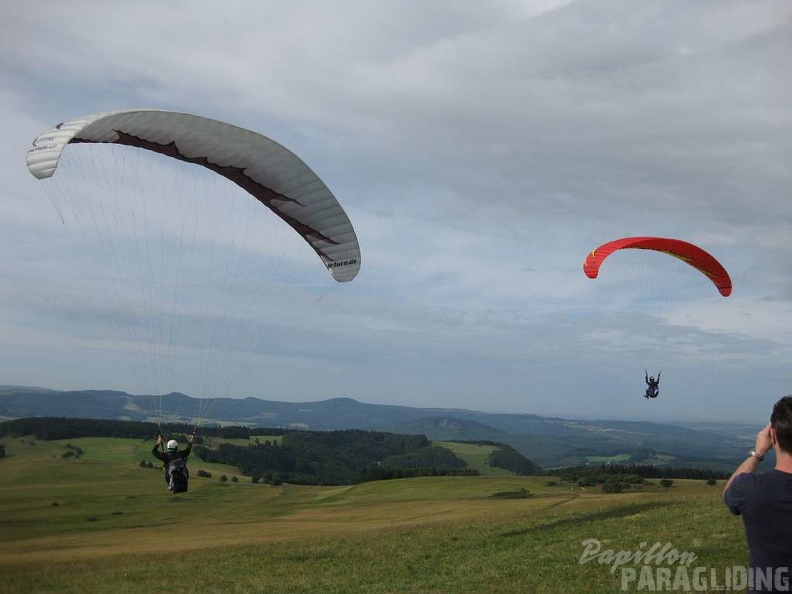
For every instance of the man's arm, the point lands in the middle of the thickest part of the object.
(750, 465)
(188, 449)
(156, 453)
(764, 442)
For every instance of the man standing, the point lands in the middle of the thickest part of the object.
(765, 503)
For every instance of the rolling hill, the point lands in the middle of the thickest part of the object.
(549, 441)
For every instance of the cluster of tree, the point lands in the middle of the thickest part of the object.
(335, 457)
(599, 474)
(622, 482)
(72, 451)
(430, 456)
(618, 486)
(615, 487)
(625, 480)
(521, 493)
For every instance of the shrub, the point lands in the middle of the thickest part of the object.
(72, 451)
(666, 482)
(614, 487)
(518, 494)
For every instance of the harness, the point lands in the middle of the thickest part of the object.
(178, 475)
(176, 471)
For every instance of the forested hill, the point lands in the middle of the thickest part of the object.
(549, 441)
(295, 456)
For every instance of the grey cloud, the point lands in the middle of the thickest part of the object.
(481, 150)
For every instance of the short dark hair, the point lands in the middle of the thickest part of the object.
(781, 422)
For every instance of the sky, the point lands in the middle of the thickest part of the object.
(481, 150)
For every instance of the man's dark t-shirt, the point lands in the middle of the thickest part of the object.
(765, 503)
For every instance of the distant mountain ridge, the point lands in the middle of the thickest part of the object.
(548, 440)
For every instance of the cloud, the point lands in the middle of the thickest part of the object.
(481, 150)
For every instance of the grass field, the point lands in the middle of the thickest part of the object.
(101, 523)
(476, 456)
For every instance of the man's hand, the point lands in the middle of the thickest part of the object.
(764, 441)
(159, 439)
(192, 437)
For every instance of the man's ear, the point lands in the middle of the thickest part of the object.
(773, 435)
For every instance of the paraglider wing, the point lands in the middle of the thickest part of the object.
(687, 252)
(271, 173)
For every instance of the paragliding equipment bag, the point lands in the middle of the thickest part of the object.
(178, 475)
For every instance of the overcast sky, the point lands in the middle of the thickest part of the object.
(481, 150)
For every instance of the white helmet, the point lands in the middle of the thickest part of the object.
(173, 445)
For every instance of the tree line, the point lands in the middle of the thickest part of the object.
(632, 473)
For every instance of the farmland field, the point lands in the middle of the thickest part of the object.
(99, 522)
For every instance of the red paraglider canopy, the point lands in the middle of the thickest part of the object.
(687, 252)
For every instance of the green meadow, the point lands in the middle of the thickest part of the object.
(476, 456)
(102, 523)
